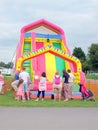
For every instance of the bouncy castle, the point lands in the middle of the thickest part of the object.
(42, 48)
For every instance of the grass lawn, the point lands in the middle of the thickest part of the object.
(9, 101)
(92, 77)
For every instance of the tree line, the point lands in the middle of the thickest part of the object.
(6, 65)
(89, 61)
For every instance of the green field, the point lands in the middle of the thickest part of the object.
(92, 77)
(9, 101)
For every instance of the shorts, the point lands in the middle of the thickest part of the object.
(66, 85)
(57, 90)
(25, 87)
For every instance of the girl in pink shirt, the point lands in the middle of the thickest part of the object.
(1, 82)
(20, 92)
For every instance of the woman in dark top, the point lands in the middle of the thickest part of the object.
(65, 84)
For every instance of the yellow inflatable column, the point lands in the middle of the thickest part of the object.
(50, 65)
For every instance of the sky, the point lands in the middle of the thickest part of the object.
(78, 19)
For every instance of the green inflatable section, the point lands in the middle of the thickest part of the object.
(27, 63)
(75, 88)
(60, 63)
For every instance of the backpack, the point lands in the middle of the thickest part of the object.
(57, 80)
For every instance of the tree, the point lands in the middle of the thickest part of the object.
(93, 56)
(78, 52)
(8, 65)
(86, 66)
(2, 64)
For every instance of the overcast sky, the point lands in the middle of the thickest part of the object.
(78, 19)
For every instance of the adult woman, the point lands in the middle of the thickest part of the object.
(65, 84)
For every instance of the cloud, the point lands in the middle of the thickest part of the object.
(78, 19)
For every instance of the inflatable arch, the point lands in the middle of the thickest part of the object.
(49, 49)
(42, 47)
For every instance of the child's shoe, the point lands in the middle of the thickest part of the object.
(36, 99)
(42, 99)
(28, 98)
(66, 100)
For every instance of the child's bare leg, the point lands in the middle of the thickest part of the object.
(59, 96)
(55, 96)
(18, 98)
(23, 98)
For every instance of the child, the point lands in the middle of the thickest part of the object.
(1, 82)
(57, 80)
(20, 91)
(42, 86)
(86, 94)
